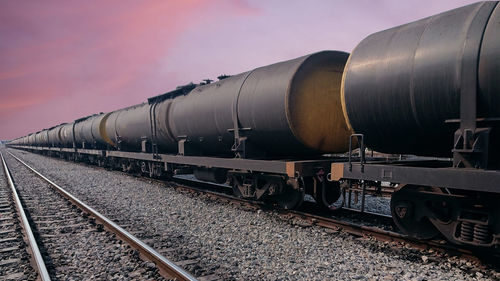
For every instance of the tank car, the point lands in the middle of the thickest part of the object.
(126, 129)
(66, 135)
(431, 88)
(54, 136)
(88, 130)
(290, 108)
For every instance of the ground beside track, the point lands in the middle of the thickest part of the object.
(14, 253)
(72, 245)
(246, 245)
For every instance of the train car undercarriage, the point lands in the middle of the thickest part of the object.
(428, 198)
(432, 198)
(284, 182)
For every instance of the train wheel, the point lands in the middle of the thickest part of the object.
(467, 218)
(292, 197)
(408, 218)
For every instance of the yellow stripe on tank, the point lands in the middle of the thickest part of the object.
(342, 96)
(102, 130)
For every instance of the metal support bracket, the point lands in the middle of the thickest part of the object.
(74, 138)
(470, 147)
(183, 141)
(240, 146)
(360, 141)
(144, 145)
(154, 136)
(118, 141)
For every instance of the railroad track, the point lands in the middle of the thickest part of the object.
(19, 249)
(307, 217)
(71, 237)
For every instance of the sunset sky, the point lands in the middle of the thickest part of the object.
(61, 60)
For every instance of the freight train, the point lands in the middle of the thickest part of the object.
(429, 88)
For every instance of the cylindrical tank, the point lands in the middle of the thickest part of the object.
(37, 139)
(204, 115)
(83, 132)
(66, 135)
(31, 139)
(54, 136)
(402, 84)
(291, 108)
(164, 137)
(43, 138)
(126, 128)
(89, 130)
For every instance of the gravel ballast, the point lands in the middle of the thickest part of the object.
(244, 245)
(72, 245)
(14, 256)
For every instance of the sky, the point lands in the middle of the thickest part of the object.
(62, 60)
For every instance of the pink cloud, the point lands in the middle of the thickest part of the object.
(15, 103)
(61, 60)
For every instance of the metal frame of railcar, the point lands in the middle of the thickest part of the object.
(433, 173)
(457, 198)
(291, 168)
(286, 180)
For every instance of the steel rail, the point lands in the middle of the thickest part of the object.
(167, 268)
(33, 246)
